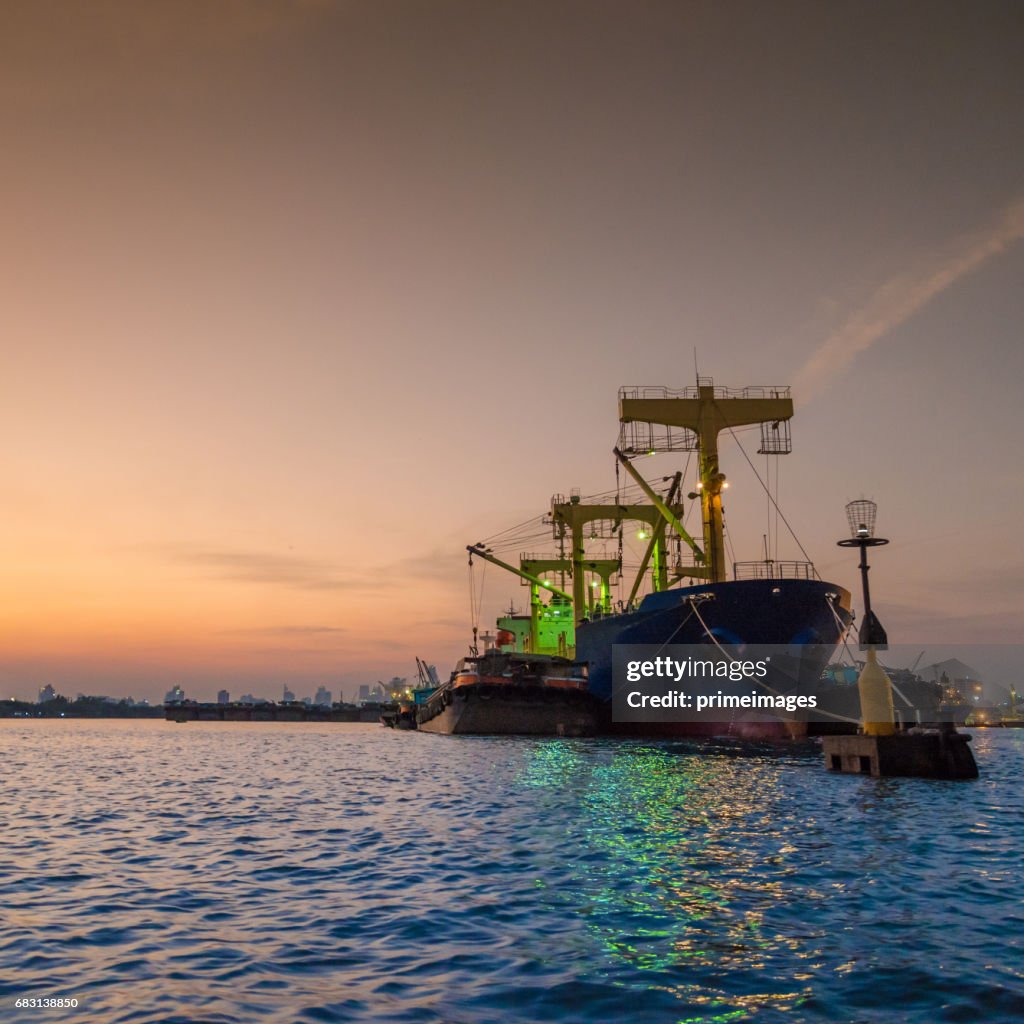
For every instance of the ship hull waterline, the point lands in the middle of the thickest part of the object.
(511, 710)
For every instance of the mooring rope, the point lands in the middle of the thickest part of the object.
(844, 632)
(775, 693)
(844, 628)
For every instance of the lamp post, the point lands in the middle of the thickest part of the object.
(861, 516)
(881, 749)
(875, 688)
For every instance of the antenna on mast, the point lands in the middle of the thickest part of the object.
(696, 372)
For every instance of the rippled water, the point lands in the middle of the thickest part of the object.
(245, 872)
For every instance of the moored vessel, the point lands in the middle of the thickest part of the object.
(506, 693)
(402, 712)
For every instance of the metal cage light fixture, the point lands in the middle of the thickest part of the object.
(861, 515)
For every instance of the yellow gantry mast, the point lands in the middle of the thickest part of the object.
(705, 411)
(574, 515)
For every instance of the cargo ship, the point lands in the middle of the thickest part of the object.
(696, 601)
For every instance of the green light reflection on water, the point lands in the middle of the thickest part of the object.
(694, 857)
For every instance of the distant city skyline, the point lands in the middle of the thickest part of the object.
(322, 696)
(300, 299)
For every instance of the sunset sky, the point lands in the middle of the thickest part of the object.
(298, 299)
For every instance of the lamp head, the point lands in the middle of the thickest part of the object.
(861, 516)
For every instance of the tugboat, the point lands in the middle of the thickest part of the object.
(501, 693)
(766, 602)
(399, 715)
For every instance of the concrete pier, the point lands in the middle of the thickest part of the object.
(924, 753)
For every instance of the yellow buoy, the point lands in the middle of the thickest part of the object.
(876, 710)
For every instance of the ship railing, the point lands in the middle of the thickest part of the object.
(641, 438)
(756, 391)
(773, 569)
(556, 563)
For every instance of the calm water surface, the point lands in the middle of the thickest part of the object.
(274, 872)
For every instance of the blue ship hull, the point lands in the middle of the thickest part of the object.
(806, 613)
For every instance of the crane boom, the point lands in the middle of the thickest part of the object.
(476, 549)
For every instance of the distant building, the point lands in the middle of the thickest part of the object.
(286, 694)
(46, 694)
(175, 693)
(323, 697)
(364, 694)
(395, 688)
(223, 697)
(961, 680)
(248, 698)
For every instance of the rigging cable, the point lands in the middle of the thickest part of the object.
(480, 597)
(728, 542)
(778, 466)
(473, 624)
(770, 498)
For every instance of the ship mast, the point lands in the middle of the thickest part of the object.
(704, 412)
(575, 515)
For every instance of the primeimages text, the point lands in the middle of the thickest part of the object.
(720, 701)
